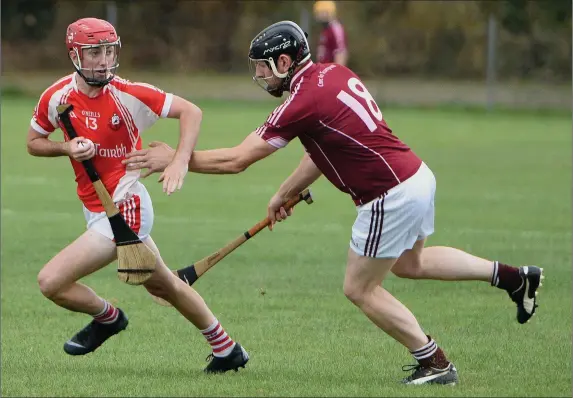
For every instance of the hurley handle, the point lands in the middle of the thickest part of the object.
(304, 195)
(201, 266)
(64, 114)
(102, 193)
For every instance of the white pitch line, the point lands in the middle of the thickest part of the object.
(27, 180)
(223, 222)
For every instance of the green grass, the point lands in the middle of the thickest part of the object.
(504, 192)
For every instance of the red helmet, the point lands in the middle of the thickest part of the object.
(101, 40)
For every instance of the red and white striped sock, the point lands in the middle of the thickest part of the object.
(108, 315)
(220, 341)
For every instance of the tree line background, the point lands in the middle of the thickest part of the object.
(424, 39)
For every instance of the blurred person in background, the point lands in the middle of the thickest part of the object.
(332, 42)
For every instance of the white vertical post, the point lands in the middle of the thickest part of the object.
(305, 20)
(491, 61)
(111, 13)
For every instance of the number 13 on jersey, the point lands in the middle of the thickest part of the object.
(360, 91)
(91, 123)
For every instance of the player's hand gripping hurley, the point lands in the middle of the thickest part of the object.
(135, 261)
(193, 272)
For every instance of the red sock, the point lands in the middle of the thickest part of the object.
(431, 356)
(220, 341)
(506, 277)
(108, 315)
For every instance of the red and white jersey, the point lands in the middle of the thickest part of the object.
(332, 40)
(342, 129)
(114, 121)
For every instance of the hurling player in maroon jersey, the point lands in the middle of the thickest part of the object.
(347, 140)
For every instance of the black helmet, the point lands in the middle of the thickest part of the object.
(284, 37)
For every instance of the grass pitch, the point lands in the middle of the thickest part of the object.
(504, 192)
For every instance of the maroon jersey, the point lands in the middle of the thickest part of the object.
(343, 131)
(332, 40)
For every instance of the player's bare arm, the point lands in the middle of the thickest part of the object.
(341, 57)
(214, 161)
(189, 116)
(231, 160)
(304, 175)
(41, 145)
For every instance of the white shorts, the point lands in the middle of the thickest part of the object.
(136, 209)
(392, 223)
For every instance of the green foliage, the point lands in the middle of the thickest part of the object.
(386, 38)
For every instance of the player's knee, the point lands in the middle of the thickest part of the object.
(354, 292)
(156, 289)
(49, 284)
(160, 287)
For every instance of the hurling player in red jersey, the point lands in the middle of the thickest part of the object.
(348, 141)
(109, 115)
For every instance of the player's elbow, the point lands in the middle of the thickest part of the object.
(31, 147)
(239, 160)
(341, 57)
(183, 109)
(195, 112)
(35, 144)
(192, 112)
(238, 166)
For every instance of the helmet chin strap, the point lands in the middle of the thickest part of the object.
(90, 81)
(98, 83)
(95, 82)
(276, 92)
(285, 77)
